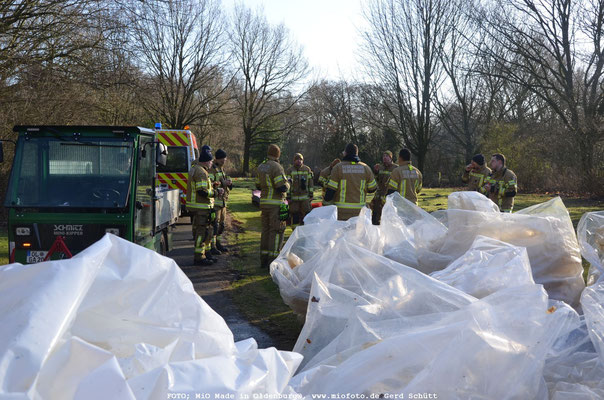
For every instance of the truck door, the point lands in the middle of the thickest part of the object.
(143, 218)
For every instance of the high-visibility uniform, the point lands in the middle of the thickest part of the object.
(407, 180)
(300, 191)
(200, 202)
(476, 179)
(351, 181)
(323, 181)
(269, 180)
(503, 188)
(382, 178)
(217, 174)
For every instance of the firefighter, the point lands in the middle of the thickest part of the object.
(200, 202)
(501, 186)
(476, 173)
(300, 178)
(221, 180)
(273, 184)
(324, 178)
(405, 179)
(349, 183)
(382, 172)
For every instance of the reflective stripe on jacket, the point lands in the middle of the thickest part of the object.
(351, 182)
(295, 176)
(476, 179)
(270, 177)
(407, 180)
(199, 179)
(217, 174)
(502, 182)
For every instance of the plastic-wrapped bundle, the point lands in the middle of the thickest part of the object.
(354, 277)
(471, 201)
(293, 269)
(118, 321)
(590, 233)
(545, 230)
(488, 266)
(376, 326)
(401, 219)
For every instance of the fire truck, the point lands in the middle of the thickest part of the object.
(182, 152)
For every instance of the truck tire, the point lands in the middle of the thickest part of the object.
(163, 244)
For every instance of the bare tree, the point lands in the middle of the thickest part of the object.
(270, 69)
(181, 48)
(554, 49)
(404, 44)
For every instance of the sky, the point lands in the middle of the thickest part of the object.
(327, 29)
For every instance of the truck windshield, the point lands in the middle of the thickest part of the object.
(50, 172)
(177, 160)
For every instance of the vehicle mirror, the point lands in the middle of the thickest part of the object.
(161, 154)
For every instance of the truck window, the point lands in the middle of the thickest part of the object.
(177, 160)
(56, 172)
(143, 222)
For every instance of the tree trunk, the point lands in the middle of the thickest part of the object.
(247, 146)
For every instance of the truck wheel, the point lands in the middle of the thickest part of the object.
(163, 244)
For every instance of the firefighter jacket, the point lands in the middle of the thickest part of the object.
(503, 188)
(383, 177)
(351, 180)
(407, 180)
(200, 193)
(301, 182)
(217, 174)
(476, 179)
(272, 182)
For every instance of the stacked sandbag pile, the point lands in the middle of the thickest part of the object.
(462, 303)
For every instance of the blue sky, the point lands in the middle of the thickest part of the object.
(327, 29)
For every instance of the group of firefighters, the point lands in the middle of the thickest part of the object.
(345, 184)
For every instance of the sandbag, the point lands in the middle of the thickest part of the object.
(590, 233)
(377, 327)
(545, 230)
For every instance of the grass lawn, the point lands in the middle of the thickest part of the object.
(255, 293)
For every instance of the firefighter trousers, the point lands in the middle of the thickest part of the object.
(202, 228)
(219, 224)
(272, 234)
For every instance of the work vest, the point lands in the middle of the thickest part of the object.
(476, 179)
(407, 180)
(199, 179)
(295, 176)
(217, 174)
(502, 182)
(351, 180)
(382, 178)
(270, 177)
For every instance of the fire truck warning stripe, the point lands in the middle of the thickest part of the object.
(177, 139)
(163, 137)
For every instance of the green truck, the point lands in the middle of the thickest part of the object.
(70, 185)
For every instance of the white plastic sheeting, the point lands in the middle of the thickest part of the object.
(118, 321)
(481, 325)
(431, 242)
(375, 326)
(590, 232)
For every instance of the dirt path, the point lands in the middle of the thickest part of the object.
(213, 285)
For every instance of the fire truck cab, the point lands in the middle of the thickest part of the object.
(182, 152)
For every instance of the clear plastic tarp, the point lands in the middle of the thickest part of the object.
(118, 321)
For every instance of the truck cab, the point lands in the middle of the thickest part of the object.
(77, 183)
(182, 153)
